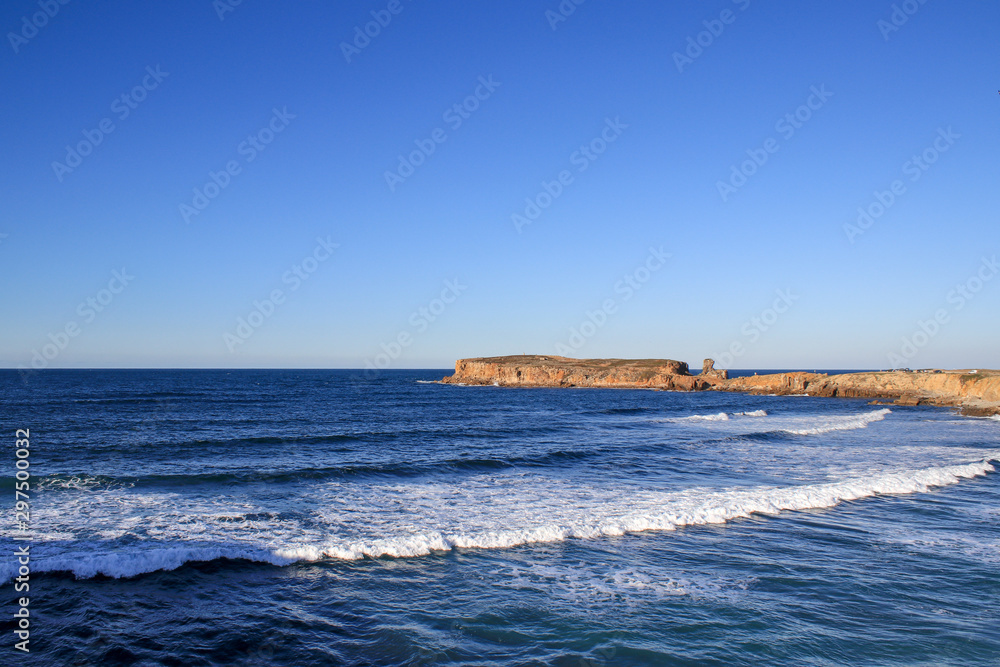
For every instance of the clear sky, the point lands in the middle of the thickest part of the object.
(697, 168)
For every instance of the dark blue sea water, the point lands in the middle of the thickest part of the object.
(326, 518)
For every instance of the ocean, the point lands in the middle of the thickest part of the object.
(330, 518)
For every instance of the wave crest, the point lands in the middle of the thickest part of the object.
(842, 423)
(408, 536)
(718, 417)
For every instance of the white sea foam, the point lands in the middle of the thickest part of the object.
(830, 424)
(123, 533)
(718, 417)
(586, 582)
(933, 544)
(995, 418)
(79, 483)
(795, 425)
(131, 564)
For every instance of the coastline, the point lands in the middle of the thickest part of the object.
(974, 393)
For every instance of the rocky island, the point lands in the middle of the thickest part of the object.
(975, 393)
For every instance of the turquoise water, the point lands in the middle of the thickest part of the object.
(325, 518)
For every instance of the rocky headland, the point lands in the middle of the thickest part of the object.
(975, 393)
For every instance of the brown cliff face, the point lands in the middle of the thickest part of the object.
(781, 384)
(543, 371)
(975, 393)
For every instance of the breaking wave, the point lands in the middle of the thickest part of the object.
(831, 424)
(793, 425)
(523, 512)
(719, 417)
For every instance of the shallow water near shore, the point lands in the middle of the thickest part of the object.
(325, 517)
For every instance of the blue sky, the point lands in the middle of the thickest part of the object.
(435, 266)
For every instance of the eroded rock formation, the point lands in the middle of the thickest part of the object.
(544, 371)
(708, 370)
(976, 393)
